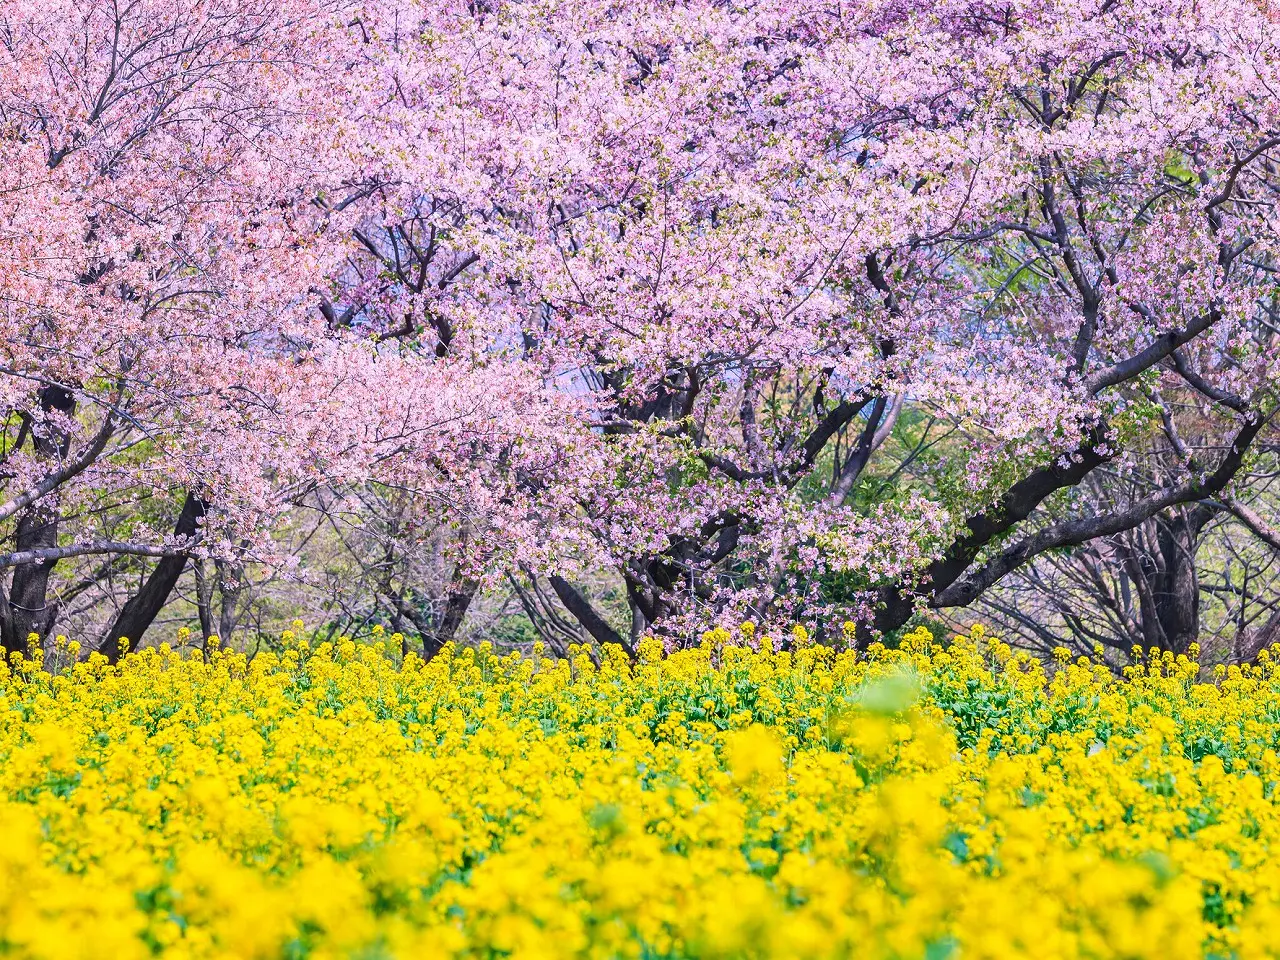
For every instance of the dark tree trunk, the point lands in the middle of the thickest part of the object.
(1250, 643)
(28, 611)
(204, 599)
(586, 614)
(1175, 587)
(231, 587)
(457, 601)
(438, 629)
(142, 608)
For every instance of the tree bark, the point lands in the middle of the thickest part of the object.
(897, 605)
(27, 610)
(462, 591)
(1176, 590)
(438, 629)
(586, 614)
(945, 588)
(140, 611)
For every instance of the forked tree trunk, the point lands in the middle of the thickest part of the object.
(435, 629)
(1175, 589)
(462, 591)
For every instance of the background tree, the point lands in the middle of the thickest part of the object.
(771, 311)
(176, 194)
(753, 237)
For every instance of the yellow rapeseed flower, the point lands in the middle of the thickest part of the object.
(721, 801)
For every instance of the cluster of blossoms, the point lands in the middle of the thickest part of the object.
(677, 291)
(726, 800)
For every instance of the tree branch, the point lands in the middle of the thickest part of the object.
(1160, 348)
(1254, 521)
(44, 554)
(1074, 532)
(64, 473)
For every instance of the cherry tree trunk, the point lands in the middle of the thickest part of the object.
(28, 610)
(1173, 622)
(137, 615)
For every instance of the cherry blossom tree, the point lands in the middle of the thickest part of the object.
(753, 235)
(775, 309)
(177, 193)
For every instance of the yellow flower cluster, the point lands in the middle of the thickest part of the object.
(932, 801)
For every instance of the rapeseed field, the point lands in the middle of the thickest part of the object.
(949, 798)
